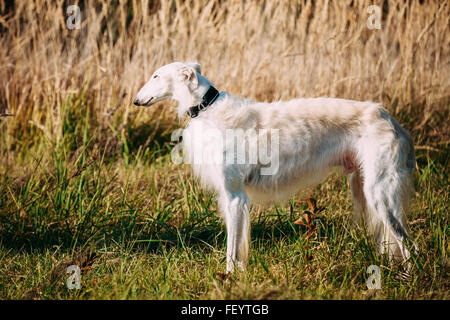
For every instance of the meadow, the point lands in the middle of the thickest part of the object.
(86, 178)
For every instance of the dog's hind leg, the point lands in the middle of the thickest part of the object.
(358, 198)
(386, 217)
(381, 212)
(387, 173)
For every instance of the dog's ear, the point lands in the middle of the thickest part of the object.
(189, 75)
(195, 66)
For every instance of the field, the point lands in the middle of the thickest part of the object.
(86, 178)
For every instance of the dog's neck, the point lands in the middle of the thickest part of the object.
(208, 99)
(188, 97)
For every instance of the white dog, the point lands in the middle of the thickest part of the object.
(312, 136)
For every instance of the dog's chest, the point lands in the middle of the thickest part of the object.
(202, 143)
(204, 149)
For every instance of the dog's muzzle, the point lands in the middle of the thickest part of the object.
(139, 103)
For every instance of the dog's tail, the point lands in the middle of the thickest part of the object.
(387, 159)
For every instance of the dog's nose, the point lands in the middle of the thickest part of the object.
(136, 102)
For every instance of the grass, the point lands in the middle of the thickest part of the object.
(86, 178)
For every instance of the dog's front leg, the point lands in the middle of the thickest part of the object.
(237, 218)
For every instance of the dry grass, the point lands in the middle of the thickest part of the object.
(78, 162)
(281, 50)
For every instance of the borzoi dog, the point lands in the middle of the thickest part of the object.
(312, 135)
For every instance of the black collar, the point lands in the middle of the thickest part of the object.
(208, 99)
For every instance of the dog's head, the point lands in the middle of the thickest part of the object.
(174, 80)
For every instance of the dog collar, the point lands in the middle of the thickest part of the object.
(208, 99)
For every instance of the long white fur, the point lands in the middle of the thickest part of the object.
(315, 135)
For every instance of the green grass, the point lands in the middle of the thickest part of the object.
(140, 227)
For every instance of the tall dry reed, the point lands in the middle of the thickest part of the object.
(264, 50)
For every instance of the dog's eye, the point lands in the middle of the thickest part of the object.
(155, 76)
